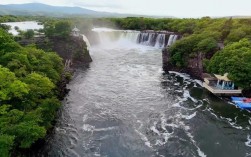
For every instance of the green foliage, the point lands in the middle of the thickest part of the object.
(48, 108)
(6, 143)
(10, 86)
(206, 45)
(38, 84)
(234, 59)
(188, 46)
(28, 102)
(29, 34)
(63, 28)
(68, 76)
(60, 28)
(5, 27)
(27, 133)
(11, 18)
(7, 43)
(201, 36)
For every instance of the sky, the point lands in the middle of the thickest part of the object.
(177, 8)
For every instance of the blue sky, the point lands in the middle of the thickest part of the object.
(178, 8)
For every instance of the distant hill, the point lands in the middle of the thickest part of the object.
(47, 10)
(38, 9)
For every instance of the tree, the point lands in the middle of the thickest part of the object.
(6, 143)
(63, 29)
(207, 45)
(39, 85)
(27, 133)
(28, 100)
(234, 59)
(29, 34)
(7, 43)
(10, 86)
(5, 27)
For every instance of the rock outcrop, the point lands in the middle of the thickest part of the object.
(72, 48)
(194, 65)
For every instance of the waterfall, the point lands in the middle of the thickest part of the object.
(156, 39)
(172, 39)
(159, 39)
(86, 41)
(107, 36)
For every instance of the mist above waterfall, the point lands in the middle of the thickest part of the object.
(110, 38)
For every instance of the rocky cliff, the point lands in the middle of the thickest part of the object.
(72, 49)
(194, 65)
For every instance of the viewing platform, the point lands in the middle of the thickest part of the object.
(221, 85)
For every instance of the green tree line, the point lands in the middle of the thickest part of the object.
(204, 36)
(28, 93)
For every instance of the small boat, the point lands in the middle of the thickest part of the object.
(242, 102)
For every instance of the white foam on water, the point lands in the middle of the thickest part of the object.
(199, 82)
(154, 129)
(85, 117)
(177, 84)
(166, 135)
(159, 143)
(144, 138)
(160, 71)
(212, 113)
(232, 123)
(190, 116)
(248, 154)
(97, 154)
(198, 106)
(176, 104)
(106, 129)
(88, 127)
(187, 95)
(187, 79)
(61, 130)
(71, 152)
(163, 121)
(200, 153)
(173, 125)
(183, 75)
(248, 143)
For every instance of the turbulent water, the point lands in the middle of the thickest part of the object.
(124, 105)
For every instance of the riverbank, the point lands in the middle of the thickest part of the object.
(74, 54)
(125, 105)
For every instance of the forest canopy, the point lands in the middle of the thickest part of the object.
(28, 95)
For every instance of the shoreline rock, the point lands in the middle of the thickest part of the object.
(193, 68)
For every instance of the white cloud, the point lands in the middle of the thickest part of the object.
(180, 8)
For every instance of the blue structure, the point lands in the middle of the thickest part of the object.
(224, 83)
(239, 101)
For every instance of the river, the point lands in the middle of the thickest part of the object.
(124, 105)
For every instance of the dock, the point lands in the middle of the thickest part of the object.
(221, 85)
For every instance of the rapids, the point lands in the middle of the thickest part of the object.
(124, 105)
